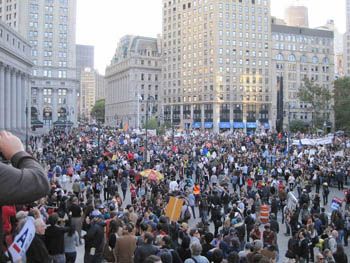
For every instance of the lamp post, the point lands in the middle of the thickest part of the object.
(149, 99)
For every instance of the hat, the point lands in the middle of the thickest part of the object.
(257, 244)
(325, 184)
(184, 226)
(21, 215)
(95, 213)
(267, 225)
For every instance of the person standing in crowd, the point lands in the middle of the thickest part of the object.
(54, 239)
(126, 245)
(71, 241)
(37, 252)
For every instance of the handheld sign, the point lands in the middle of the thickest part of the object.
(23, 240)
(173, 208)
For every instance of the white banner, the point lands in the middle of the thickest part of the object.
(319, 141)
(23, 240)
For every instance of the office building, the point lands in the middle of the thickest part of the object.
(346, 42)
(216, 64)
(299, 53)
(132, 79)
(85, 55)
(49, 27)
(87, 93)
(100, 86)
(15, 70)
(297, 15)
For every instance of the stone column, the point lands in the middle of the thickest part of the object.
(13, 99)
(54, 105)
(216, 117)
(20, 114)
(2, 97)
(7, 98)
(231, 116)
(24, 95)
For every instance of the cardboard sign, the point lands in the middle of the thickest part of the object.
(173, 208)
(336, 203)
(23, 240)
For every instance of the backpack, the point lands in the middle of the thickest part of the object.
(326, 244)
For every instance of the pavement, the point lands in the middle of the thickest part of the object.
(282, 239)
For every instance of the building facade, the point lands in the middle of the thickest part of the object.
(100, 86)
(87, 92)
(216, 64)
(132, 79)
(346, 47)
(297, 15)
(49, 27)
(85, 55)
(299, 53)
(15, 70)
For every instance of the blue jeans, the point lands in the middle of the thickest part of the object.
(70, 257)
(60, 258)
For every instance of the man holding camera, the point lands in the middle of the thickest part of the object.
(23, 182)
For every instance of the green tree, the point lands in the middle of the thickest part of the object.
(98, 111)
(297, 125)
(342, 103)
(152, 124)
(319, 98)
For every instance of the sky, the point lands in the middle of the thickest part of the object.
(102, 23)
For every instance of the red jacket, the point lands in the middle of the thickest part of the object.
(7, 212)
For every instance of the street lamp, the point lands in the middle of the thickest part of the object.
(149, 99)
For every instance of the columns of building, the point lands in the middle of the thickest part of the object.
(232, 106)
(13, 99)
(54, 105)
(19, 113)
(7, 98)
(23, 104)
(2, 97)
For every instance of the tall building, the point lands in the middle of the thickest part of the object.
(100, 86)
(87, 92)
(49, 25)
(347, 41)
(216, 70)
(299, 53)
(15, 70)
(297, 15)
(85, 55)
(132, 79)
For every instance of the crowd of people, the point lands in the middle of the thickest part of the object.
(239, 191)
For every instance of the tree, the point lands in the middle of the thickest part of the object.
(98, 111)
(298, 126)
(152, 124)
(319, 98)
(342, 103)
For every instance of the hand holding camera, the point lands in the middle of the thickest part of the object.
(9, 144)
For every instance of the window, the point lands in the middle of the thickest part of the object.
(315, 60)
(279, 57)
(303, 59)
(291, 57)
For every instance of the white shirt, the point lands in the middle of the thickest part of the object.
(173, 185)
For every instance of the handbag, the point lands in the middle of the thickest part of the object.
(108, 254)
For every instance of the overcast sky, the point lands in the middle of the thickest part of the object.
(102, 23)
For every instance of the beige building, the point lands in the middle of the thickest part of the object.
(132, 78)
(100, 86)
(15, 70)
(297, 15)
(87, 92)
(49, 26)
(216, 64)
(299, 53)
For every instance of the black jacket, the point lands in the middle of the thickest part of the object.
(143, 251)
(37, 252)
(95, 237)
(54, 239)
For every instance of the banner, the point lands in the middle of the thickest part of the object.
(173, 208)
(336, 203)
(292, 201)
(23, 240)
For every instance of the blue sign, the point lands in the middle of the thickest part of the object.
(208, 125)
(251, 125)
(196, 125)
(266, 125)
(224, 125)
(238, 125)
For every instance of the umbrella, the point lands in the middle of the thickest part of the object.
(152, 175)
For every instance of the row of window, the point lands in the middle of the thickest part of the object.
(303, 59)
(51, 73)
(15, 42)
